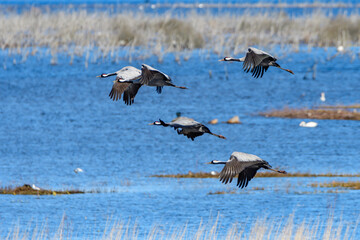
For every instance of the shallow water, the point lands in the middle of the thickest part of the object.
(55, 118)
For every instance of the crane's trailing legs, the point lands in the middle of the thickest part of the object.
(218, 135)
(278, 171)
(278, 66)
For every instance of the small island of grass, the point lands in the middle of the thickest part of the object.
(28, 190)
(323, 112)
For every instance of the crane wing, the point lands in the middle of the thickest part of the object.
(189, 127)
(244, 164)
(253, 59)
(117, 89)
(191, 135)
(150, 75)
(259, 71)
(130, 93)
(231, 169)
(245, 176)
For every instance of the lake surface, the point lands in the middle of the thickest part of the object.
(183, 7)
(55, 118)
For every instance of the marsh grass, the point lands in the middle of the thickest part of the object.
(223, 192)
(337, 113)
(259, 228)
(353, 106)
(339, 184)
(258, 175)
(81, 32)
(28, 190)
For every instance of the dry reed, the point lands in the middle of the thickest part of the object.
(260, 228)
(78, 32)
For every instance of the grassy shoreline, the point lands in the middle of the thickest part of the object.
(259, 175)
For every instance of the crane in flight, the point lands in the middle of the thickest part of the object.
(257, 62)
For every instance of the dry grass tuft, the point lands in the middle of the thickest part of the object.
(222, 192)
(28, 190)
(339, 114)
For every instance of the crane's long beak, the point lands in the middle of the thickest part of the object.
(98, 76)
(208, 163)
(151, 123)
(221, 60)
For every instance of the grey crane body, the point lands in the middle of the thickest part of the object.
(153, 77)
(257, 62)
(129, 80)
(244, 165)
(187, 127)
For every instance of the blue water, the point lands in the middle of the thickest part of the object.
(55, 118)
(183, 7)
(166, 1)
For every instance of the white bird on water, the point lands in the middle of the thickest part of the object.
(35, 187)
(340, 48)
(308, 124)
(78, 170)
(322, 97)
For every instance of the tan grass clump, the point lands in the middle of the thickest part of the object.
(339, 114)
(28, 190)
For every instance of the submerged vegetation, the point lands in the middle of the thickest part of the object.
(336, 184)
(259, 174)
(104, 32)
(28, 190)
(336, 113)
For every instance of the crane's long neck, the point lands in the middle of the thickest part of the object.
(235, 59)
(163, 123)
(217, 162)
(105, 75)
